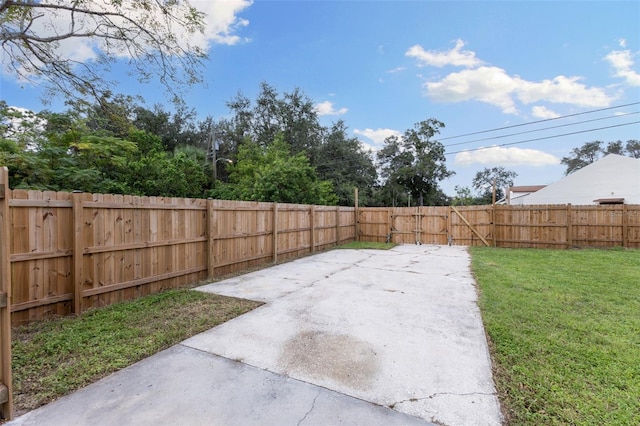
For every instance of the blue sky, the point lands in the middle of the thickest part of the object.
(382, 66)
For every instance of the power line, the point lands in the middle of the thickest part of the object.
(542, 138)
(539, 121)
(543, 129)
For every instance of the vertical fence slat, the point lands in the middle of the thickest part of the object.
(625, 218)
(356, 213)
(6, 394)
(275, 232)
(211, 262)
(312, 217)
(569, 226)
(78, 247)
(337, 225)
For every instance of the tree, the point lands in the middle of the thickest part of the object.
(291, 115)
(593, 151)
(633, 148)
(485, 180)
(344, 161)
(416, 163)
(463, 196)
(153, 35)
(273, 174)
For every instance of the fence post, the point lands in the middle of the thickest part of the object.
(211, 243)
(449, 230)
(337, 225)
(275, 232)
(77, 251)
(6, 396)
(569, 227)
(355, 197)
(312, 216)
(625, 236)
(493, 219)
(390, 224)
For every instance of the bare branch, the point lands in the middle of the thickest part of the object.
(150, 33)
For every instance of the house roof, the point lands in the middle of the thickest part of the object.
(611, 177)
(526, 188)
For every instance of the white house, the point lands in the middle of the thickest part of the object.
(614, 179)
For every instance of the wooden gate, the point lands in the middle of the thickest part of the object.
(6, 398)
(473, 229)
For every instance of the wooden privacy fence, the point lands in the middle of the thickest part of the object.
(71, 252)
(544, 226)
(63, 253)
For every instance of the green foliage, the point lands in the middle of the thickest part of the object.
(563, 327)
(415, 164)
(292, 115)
(463, 196)
(485, 179)
(272, 174)
(344, 162)
(593, 151)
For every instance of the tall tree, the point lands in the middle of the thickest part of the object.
(485, 180)
(416, 162)
(291, 114)
(153, 35)
(593, 151)
(274, 174)
(345, 162)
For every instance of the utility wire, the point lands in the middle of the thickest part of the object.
(543, 129)
(542, 138)
(539, 121)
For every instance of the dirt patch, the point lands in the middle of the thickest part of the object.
(341, 358)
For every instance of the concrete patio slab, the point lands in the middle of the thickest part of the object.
(345, 337)
(398, 328)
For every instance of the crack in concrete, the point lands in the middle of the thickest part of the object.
(393, 405)
(313, 405)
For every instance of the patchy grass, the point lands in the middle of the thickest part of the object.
(364, 245)
(564, 331)
(54, 358)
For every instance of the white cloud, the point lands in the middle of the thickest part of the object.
(378, 135)
(496, 155)
(222, 20)
(562, 89)
(622, 63)
(486, 84)
(495, 86)
(326, 108)
(543, 112)
(455, 56)
(622, 43)
(396, 70)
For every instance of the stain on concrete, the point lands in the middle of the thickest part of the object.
(340, 358)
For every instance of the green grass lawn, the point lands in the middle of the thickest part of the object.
(564, 331)
(53, 358)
